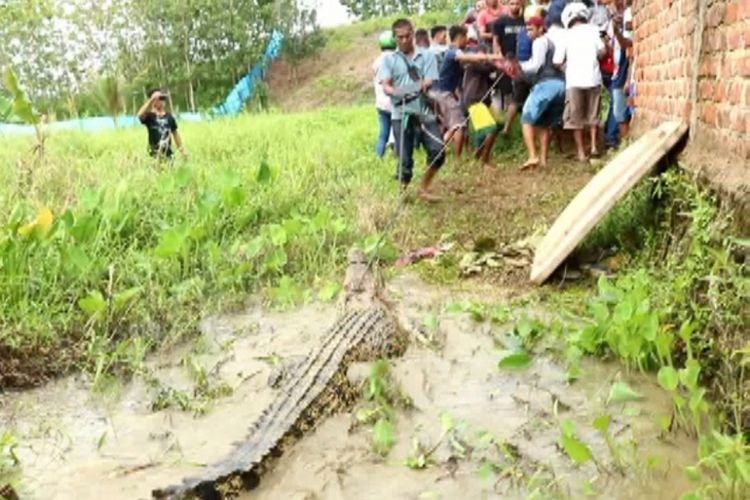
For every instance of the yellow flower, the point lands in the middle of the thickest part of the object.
(42, 223)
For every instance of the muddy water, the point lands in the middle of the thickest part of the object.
(74, 446)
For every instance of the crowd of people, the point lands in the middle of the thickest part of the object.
(548, 62)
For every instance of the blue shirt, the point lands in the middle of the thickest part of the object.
(523, 52)
(395, 67)
(451, 73)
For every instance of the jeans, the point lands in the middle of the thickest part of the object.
(415, 128)
(384, 118)
(611, 129)
(620, 105)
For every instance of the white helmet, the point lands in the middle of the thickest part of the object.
(572, 11)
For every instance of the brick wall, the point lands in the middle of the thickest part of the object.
(692, 61)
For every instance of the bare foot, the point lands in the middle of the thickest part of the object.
(428, 197)
(530, 164)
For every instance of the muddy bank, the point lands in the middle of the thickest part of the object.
(504, 443)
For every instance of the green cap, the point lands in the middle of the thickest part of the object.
(386, 40)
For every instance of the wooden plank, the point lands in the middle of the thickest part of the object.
(598, 197)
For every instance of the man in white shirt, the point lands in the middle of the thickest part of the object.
(580, 53)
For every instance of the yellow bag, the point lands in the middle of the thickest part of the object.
(481, 119)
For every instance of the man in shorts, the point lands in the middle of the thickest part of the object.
(505, 42)
(406, 75)
(477, 85)
(446, 90)
(580, 53)
(544, 107)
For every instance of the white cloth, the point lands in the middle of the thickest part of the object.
(382, 101)
(579, 50)
(538, 56)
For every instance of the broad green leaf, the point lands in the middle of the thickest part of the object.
(254, 247)
(93, 303)
(602, 423)
(567, 427)
(664, 422)
(21, 106)
(75, 260)
(620, 391)
(577, 450)
(171, 243)
(668, 378)
(447, 421)
(485, 471)
(457, 307)
(623, 312)
(278, 235)
(264, 172)
(288, 291)
(383, 436)
(122, 298)
(329, 291)
(689, 374)
(430, 322)
(514, 361)
(692, 473)
(588, 489)
(275, 260)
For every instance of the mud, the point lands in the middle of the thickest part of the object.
(74, 445)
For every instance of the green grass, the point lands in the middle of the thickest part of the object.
(138, 251)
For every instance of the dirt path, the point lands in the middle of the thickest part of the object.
(69, 443)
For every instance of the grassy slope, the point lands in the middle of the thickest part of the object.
(341, 73)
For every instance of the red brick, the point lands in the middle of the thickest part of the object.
(747, 94)
(735, 93)
(745, 9)
(715, 15)
(739, 120)
(735, 38)
(708, 114)
(732, 13)
(720, 91)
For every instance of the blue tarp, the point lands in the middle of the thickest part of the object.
(243, 90)
(233, 104)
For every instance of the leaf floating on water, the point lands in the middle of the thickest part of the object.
(588, 489)
(576, 449)
(383, 437)
(514, 361)
(602, 423)
(621, 391)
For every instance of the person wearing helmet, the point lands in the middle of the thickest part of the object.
(382, 102)
(580, 53)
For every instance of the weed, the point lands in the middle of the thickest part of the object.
(677, 309)
(383, 396)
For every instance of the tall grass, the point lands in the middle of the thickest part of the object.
(136, 251)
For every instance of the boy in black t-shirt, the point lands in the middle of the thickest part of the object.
(161, 125)
(505, 41)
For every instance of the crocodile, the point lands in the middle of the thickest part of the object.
(316, 387)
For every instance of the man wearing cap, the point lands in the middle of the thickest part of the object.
(382, 102)
(580, 52)
(544, 107)
(161, 125)
(407, 75)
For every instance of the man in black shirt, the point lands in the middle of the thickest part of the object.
(505, 41)
(161, 125)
